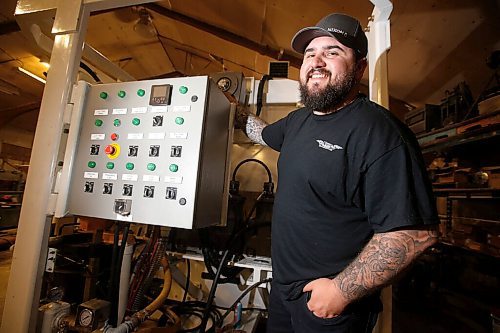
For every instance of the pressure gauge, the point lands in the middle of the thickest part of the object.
(86, 318)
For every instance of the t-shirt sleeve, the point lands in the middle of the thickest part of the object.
(397, 191)
(274, 134)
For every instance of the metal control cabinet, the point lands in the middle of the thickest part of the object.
(153, 152)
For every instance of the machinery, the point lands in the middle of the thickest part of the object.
(119, 171)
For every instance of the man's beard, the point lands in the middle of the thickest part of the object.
(330, 97)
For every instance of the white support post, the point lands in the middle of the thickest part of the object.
(30, 252)
(379, 43)
(379, 37)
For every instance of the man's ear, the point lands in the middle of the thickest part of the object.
(360, 68)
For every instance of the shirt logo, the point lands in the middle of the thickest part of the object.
(328, 146)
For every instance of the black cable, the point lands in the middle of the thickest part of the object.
(213, 288)
(113, 315)
(90, 72)
(188, 277)
(249, 289)
(114, 258)
(260, 93)
(269, 176)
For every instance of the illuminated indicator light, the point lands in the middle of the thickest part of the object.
(98, 122)
(130, 166)
(114, 136)
(117, 122)
(91, 164)
(151, 166)
(183, 89)
(179, 120)
(136, 121)
(173, 167)
(141, 92)
(109, 150)
(110, 165)
(121, 94)
(103, 95)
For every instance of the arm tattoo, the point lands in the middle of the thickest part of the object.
(385, 255)
(251, 124)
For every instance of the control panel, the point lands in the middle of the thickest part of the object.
(153, 152)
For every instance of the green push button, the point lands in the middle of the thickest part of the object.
(141, 92)
(173, 167)
(183, 89)
(91, 164)
(179, 120)
(98, 122)
(110, 165)
(103, 95)
(121, 94)
(130, 166)
(136, 121)
(151, 166)
(117, 122)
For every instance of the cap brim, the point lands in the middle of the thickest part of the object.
(306, 35)
(303, 37)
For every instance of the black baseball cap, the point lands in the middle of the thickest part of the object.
(344, 28)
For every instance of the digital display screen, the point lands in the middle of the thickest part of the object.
(160, 94)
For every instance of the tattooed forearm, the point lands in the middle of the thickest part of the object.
(383, 257)
(251, 124)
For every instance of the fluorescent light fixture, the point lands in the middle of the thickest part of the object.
(36, 77)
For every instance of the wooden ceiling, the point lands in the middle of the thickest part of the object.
(435, 45)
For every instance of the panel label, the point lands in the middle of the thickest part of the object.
(135, 136)
(97, 136)
(150, 178)
(173, 180)
(101, 112)
(120, 111)
(91, 175)
(156, 136)
(178, 135)
(130, 177)
(139, 110)
(109, 176)
(181, 108)
(159, 108)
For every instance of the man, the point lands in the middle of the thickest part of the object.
(353, 206)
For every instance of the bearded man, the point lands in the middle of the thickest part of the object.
(354, 206)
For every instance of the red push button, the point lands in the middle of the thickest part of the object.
(114, 136)
(109, 150)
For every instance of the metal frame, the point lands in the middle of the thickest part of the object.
(28, 262)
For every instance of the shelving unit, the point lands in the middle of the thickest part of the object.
(456, 283)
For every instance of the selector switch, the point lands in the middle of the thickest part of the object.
(149, 191)
(154, 151)
(107, 188)
(132, 150)
(175, 151)
(94, 149)
(171, 193)
(127, 190)
(157, 121)
(89, 187)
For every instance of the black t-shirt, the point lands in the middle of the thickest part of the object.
(342, 177)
